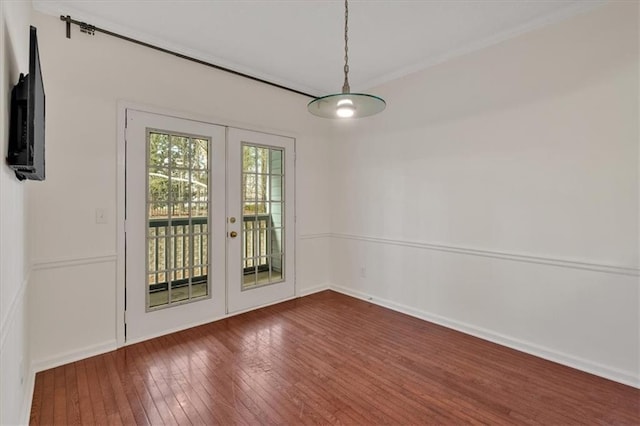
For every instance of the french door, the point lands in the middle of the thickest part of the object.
(260, 192)
(209, 222)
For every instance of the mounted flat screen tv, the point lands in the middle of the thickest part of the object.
(26, 129)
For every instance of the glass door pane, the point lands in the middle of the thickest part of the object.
(262, 226)
(177, 218)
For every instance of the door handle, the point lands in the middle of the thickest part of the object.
(233, 234)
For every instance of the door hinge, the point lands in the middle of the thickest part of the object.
(126, 125)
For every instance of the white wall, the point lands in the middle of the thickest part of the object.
(73, 283)
(498, 194)
(14, 346)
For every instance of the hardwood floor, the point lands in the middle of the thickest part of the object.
(325, 358)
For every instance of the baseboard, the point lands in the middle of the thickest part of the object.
(73, 356)
(172, 330)
(27, 399)
(620, 376)
(317, 289)
(204, 321)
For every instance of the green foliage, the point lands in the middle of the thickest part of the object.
(177, 173)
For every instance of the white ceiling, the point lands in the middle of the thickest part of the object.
(299, 43)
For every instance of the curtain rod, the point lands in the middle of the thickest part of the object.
(91, 30)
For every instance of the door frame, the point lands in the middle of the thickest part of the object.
(120, 293)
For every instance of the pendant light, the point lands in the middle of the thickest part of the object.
(346, 104)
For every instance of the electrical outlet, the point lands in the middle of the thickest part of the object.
(363, 272)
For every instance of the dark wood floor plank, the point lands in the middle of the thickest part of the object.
(59, 397)
(167, 371)
(154, 399)
(311, 405)
(188, 381)
(84, 395)
(209, 376)
(95, 392)
(258, 373)
(73, 397)
(45, 415)
(129, 376)
(221, 363)
(36, 401)
(131, 410)
(325, 359)
(362, 375)
(113, 411)
(155, 368)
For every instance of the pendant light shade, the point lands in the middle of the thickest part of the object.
(346, 104)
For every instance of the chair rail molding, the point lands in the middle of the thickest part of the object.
(71, 261)
(314, 236)
(515, 257)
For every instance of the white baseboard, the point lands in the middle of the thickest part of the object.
(72, 356)
(318, 289)
(27, 399)
(203, 322)
(624, 377)
(133, 341)
(99, 349)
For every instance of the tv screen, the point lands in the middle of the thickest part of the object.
(26, 131)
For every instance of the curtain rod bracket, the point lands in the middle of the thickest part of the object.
(84, 27)
(67, 19)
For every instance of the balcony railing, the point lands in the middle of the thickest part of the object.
(255, 245)
(178, 250)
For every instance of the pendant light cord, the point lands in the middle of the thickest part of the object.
(345, 86)
(346, 104)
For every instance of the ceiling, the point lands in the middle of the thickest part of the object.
(299, 43)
